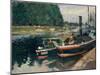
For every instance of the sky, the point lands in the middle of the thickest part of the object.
(70, 13)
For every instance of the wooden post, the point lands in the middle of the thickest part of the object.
(80, 24)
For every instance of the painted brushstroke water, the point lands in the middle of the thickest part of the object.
(24, 61)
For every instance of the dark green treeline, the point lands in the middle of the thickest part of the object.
(33, 13)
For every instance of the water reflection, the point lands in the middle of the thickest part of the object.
(25, 47)
(45, 65)
(24, 55)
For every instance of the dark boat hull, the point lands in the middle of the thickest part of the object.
(74, 50)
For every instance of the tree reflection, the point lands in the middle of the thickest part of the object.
(24, 48)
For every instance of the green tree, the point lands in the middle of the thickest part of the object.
(33, 13)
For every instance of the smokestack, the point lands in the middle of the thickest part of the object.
(80, 24)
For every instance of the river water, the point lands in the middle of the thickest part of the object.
(24, 59)
(46, 65)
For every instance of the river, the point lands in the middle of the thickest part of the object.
(24, 59)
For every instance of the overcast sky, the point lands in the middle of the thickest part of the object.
(71, 12)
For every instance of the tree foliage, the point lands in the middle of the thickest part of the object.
(32, 13)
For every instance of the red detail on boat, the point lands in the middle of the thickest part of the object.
(69, 47)
(42, 57)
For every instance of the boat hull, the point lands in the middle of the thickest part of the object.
(74, 50)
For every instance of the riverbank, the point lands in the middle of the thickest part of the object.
(88, 61)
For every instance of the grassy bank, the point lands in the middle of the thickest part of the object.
(18, 30)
